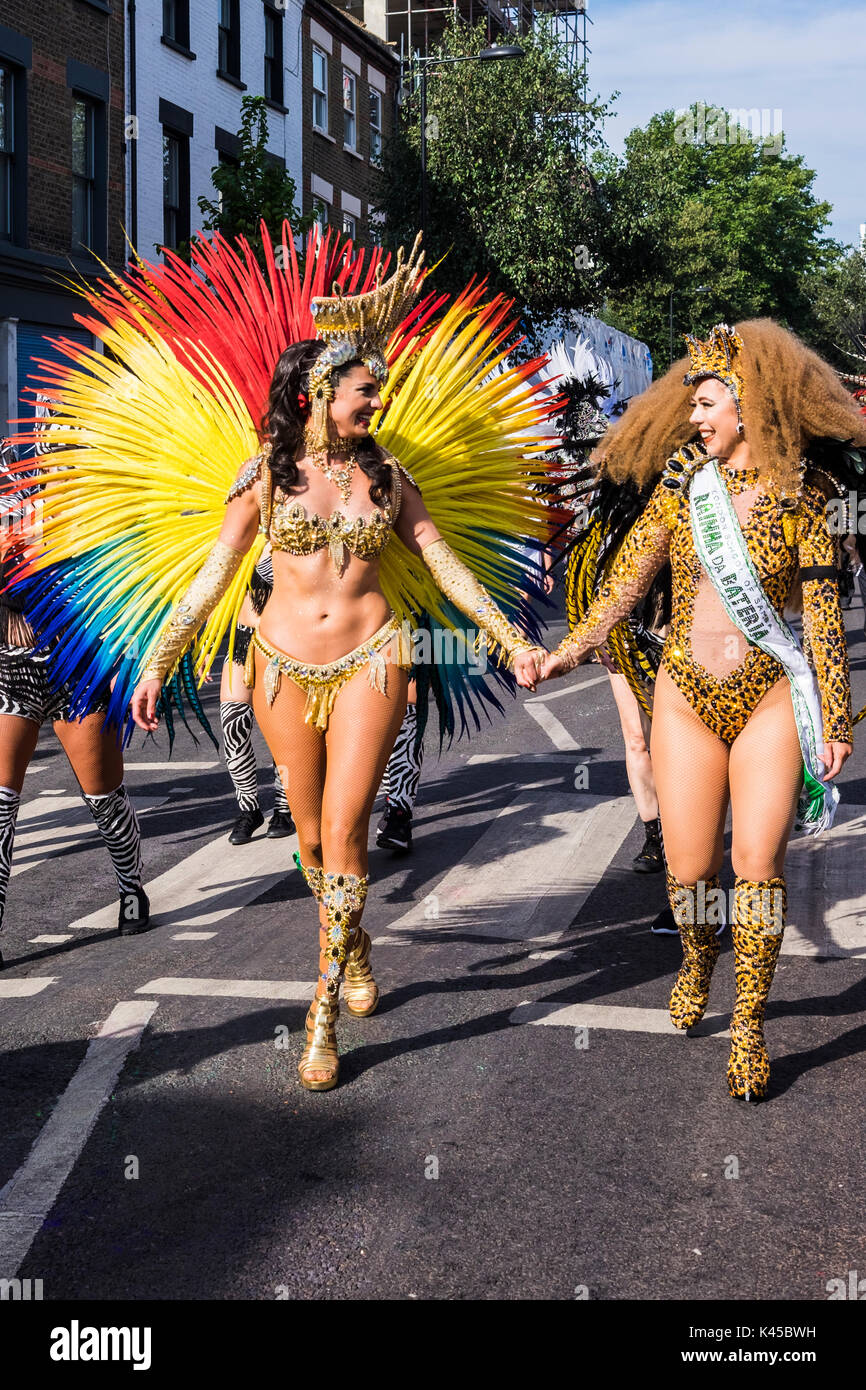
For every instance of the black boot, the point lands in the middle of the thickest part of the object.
(134, 914)
(395, 829)
(246, 823)
(650, 860)
(281, 825)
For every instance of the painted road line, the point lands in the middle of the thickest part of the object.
(169, 766)
(49, 940)
(574, 689)
(28, 1197)
(529, 873)
(23, 989)
(52, 824)
(548, 756)
(195, 936)
(232, 989)
(209, 885)
(556, 731)
(827, 890)
(619, 1017)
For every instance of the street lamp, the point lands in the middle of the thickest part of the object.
(496, 52)
(697, 289)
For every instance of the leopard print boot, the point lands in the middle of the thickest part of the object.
(700, 944)
(759, 922)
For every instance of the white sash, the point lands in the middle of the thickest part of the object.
(722, 550)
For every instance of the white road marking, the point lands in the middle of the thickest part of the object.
(38, 940)
(549, 756)
(529, 873)
(209, 885)
(556, 731)
(195, 936)
(28, 1197)
(232, 989)
(569, 690)
(619, 1017)
(170, 766)
(23, 989)
(46, 828)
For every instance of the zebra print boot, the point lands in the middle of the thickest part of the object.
(281, 823)
(117, 823)
(236, 719)
(401, 779)
(9, 803)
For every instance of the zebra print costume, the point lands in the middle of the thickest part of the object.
(403, 772)
(236, 718)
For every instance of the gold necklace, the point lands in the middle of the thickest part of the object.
(342, 476)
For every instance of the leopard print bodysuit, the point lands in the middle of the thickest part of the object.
(721, 675)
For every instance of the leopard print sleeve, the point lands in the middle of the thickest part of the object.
(823, 624)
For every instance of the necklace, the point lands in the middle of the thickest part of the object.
(342, 476)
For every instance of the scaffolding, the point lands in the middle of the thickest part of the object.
(413, 27)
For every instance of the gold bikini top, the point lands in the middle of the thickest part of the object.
(290, 529)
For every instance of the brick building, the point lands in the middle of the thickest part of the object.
(61, 172)
(189, 65)
(351, 79)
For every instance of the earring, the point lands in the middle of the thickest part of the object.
(740, 427)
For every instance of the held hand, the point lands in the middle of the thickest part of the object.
(143, 704)
(557, 664)
(548, 582)
(527, 666)
(833, 756)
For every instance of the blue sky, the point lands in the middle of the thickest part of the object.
(807, 59)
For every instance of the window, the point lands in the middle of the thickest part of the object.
(273, 55)
(230, 39)
(7, 152)
(320, 89)
(225, 160)
(175, 188)
(350, 226)
(175, 21)
(83, 173)
(322, 214)
(350, 110)
(375, 126)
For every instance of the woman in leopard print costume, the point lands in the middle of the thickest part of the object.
(762, 406)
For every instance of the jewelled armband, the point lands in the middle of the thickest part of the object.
(188, 614)
(458, 583)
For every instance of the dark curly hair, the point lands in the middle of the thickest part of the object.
(283, 421)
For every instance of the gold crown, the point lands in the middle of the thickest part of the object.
(717, 357)
(361, 325)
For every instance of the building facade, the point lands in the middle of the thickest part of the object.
(351, 79)
(189, 64)
(62, 157)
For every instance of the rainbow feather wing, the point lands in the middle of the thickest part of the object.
(133, 503)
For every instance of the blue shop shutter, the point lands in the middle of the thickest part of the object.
(33, 343)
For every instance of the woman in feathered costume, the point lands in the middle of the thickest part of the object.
(755, 428)
(161, 428)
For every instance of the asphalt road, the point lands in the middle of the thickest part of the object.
(486, 1141)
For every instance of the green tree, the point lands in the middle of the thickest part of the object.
(509, 194)
(725, 211)
(255, 187)
(837, 296)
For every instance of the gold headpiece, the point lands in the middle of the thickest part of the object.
(359, 326)
(718, 357)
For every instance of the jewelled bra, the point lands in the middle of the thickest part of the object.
(290, 529)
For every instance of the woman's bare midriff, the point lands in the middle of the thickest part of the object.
(315, 614)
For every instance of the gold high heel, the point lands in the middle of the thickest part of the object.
(320, 1053)
(360, 991)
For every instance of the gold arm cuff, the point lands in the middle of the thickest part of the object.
(458, 583)
(188, 614)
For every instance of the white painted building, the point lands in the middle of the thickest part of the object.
(189, 62)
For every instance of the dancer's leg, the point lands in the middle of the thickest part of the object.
(18, 739)
(766, 775)
(97, 761)
(691, 776)
(636, 726)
